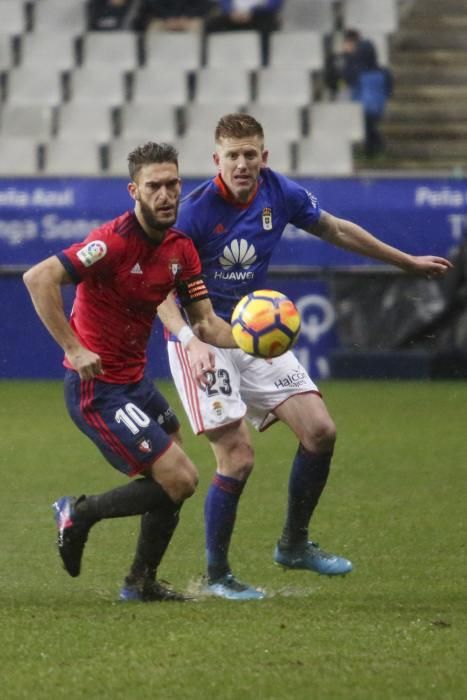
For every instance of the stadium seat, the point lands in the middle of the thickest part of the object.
(239, 49)
(370, 16)
(60, 16)
(279, 148)
(12, 17)
(48, 51)
(320, 156)
(90, 86)
(174, 49)
(72, 157)
(309, 14)
(342, 118)
(6, 52)
(195, 159)
(18, 156)
(89, 121)
(167, 85)
(202, 118)
(26, 121)
(214, 85)
(153, 122)
(29, 86)
(276, 84)
(282, 119)
(304, 49)
(117, 50)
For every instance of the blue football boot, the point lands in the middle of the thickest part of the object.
(310, 556)
(72, 535)
(230, 588)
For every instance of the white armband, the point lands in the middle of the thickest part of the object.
(185, 334)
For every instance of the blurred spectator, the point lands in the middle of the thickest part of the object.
(343, 67)
(108, 15)
(354, 73)
(173, 15)
(373, 87)
(260, 15)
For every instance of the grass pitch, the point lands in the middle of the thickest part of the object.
(395, 504)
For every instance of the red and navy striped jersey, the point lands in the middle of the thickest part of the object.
(121, 277)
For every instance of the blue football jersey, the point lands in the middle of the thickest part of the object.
(235, 241)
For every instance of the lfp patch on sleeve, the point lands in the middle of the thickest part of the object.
(92, 252)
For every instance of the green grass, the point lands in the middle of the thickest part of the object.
(395, 504)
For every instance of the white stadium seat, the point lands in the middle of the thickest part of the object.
(341, 118)
(173, 49)
(62, 16)
(81, 120)
(89, 85)
(370, 15)
(215, 85)
(6, 51)
(281, 119)
(31, 121)
(167, 85)
(309, 14)
(18, 157)
(239, 49)
(324, 156)
(12, 17)
(153, 122)
(299, 49)
(72, 157)
(110, 50)
(276, 85)
(29, 86)
(48, 51)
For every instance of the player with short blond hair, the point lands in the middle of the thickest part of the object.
(235, 221)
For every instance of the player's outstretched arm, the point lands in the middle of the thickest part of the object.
(44, 282)
(345, 234)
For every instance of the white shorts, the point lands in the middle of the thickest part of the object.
(241, 386)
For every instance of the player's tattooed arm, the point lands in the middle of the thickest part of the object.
(350, 236)
(44, 282)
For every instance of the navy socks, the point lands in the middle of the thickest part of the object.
(307, 480)
(220, 511)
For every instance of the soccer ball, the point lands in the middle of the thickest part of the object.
(265, 323)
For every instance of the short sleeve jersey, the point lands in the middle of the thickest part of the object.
(121, 277)
(235, 241)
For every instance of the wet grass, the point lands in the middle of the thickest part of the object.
(395, 504)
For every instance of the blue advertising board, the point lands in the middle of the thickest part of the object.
(40, 217)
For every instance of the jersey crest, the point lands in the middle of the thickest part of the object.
(267, 218)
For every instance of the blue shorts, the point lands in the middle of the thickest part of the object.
(129, 423)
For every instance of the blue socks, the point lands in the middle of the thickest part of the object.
(220, 511)
(307, 480)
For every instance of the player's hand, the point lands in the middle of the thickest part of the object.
(429, 266)
(87, 363)
(202, 360)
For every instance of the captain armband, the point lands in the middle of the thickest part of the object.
(192, 290)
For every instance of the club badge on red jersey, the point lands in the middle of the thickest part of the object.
(175, 268)
(92, 252)
(267, 218)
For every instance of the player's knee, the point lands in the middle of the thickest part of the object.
(320, 437)
(181, 482)
(239, 461)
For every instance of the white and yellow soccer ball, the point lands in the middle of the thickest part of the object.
(265, 323)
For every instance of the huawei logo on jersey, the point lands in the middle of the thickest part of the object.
(238, 254)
